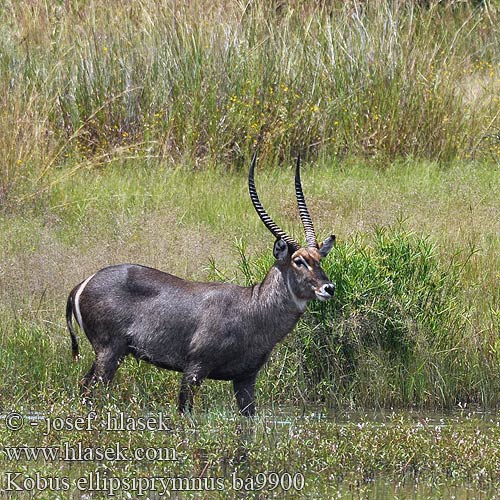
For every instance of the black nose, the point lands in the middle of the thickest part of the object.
(330, 289)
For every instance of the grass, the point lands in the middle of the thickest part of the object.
(195, 85)
(414, 321)
(125, 135)
(394, 335)
(217, 456)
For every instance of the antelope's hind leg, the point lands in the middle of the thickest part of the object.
(87, 382)
(244, 390)
(103, 369)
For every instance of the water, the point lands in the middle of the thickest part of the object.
(411, 490)
(407, 486)
(341, 454)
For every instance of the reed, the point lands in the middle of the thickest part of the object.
(86, 84)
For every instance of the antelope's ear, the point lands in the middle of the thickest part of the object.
(280, 250)
(326, 246)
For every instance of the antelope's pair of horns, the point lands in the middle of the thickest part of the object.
(303, 211)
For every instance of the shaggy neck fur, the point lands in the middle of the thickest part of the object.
(276, 305)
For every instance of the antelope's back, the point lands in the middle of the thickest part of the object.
(138, 302)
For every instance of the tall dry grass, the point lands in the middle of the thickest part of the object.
(86, 83)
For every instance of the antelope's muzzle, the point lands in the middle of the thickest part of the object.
(325, 292)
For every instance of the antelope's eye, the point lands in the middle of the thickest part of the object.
(299, 262)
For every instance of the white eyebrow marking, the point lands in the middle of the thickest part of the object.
(77, 301)
(304, 261)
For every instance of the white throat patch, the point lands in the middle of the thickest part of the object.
(300, 303)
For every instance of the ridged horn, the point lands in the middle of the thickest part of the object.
(304, 212)
(264, 217)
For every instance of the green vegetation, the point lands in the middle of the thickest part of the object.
(414, 321)
(85, 84)
(311, 456)
(125, 135)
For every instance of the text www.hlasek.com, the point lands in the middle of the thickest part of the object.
(102, 482)
(77, 453)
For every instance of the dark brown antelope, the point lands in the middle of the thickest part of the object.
(205, 330)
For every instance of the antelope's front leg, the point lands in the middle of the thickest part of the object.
(244, 390)
(189, 383)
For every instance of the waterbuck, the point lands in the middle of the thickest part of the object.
(204, 330)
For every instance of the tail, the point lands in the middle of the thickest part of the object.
(69, 322)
